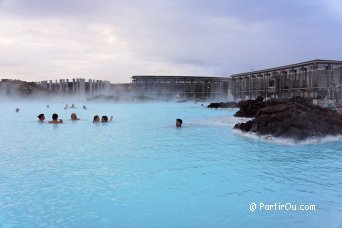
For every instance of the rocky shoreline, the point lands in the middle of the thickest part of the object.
(296, 118)
(223, 105)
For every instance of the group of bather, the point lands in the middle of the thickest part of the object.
(73, 106)
(96, 119)
(73, 117)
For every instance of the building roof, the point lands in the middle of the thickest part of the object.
(176, 77)
(316, 61)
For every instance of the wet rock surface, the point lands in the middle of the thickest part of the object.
(249, 108)
(295, 118)
(223, 105)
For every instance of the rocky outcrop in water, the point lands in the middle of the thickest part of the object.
(249, 108)
(223, 105)
(295, 118)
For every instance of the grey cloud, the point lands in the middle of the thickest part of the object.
(123, 38)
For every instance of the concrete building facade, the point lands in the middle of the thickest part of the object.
(77, 86)
(316, 78)
(181, 87)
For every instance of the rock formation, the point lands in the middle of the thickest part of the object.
(223, 105)
(295, 118)
(249, 108)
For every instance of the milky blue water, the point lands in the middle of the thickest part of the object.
(141, 171)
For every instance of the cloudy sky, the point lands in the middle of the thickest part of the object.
(115, 39)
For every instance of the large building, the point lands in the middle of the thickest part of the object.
(316, 78)
(181, 87)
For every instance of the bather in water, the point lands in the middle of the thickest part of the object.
(96, 119)
(41, 117)
(55, 119)
(179, 122)
(104, 119)
(74, 116)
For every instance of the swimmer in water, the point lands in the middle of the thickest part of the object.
(55, 119)
(74, 116)
(104, 119)
(96, 119)
(41, 117)
(179, 122)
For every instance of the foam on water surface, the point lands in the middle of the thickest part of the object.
(289, 141)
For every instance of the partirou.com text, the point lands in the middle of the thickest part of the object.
(281, 207)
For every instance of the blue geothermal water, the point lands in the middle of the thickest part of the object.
(141, 171)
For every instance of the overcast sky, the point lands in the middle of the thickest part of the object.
(115, 39)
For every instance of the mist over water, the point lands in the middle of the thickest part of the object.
(17, 90)
(117, 95)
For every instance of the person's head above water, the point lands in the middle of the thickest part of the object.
(96, 118)
(55, 119)
(55, 116)
(179, 122)
(73, 116)
(41, 117)
(104, 119)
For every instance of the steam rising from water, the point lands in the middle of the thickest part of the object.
(19, 90)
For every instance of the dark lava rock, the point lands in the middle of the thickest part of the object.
(295, 118)
(249, 108)
(223, 105)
